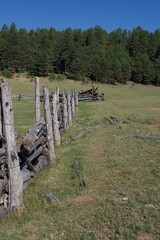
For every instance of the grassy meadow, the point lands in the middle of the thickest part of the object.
(121, 200)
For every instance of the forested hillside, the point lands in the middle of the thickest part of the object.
(118, 56)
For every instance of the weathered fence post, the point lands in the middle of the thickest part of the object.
(37, 99)
(73, 105)
(57, 95)
(76, 102)
(15, 177)
(55, 119)
(65, 113)
(48, 120)
(1, 117)
(69, 109)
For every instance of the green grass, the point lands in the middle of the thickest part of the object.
(122, 198)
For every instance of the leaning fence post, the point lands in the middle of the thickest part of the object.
(37, 99)
(55, 119)
(65, 113)
(69, 109)
(48, 120)
(15, 177)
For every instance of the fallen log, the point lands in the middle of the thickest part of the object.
(79, 135)
(50, 197)
(78, 173)
(112, 119)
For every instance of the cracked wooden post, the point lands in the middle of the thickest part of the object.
(73, 105)
(55, 119)
(1, 118)
(15, 177)
(48, 120)
(69, 109)
(76, 102)
(37, 99)
(57, 95)
(65, 113)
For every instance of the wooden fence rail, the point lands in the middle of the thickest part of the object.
(20, 165)
(83, 96)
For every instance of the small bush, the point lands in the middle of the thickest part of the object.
(61, 77)
(28, 75)
(7, 74)
(86, 80)
(76, 76)
(52, 77)
(32, 78)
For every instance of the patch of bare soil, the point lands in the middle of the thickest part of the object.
(154, 108)
(83, 199)
(151, 108)
(156, 127)
(125, 173)
(146, 237)
(107, 231)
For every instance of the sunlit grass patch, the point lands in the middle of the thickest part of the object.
(121, 199)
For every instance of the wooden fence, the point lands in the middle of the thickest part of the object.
(83, 96)
(20, 165)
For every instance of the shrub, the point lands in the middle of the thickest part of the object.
(61, 77)
(7, 74)
(76, 76)
(28, 75)
(86, 81)
(52, 77)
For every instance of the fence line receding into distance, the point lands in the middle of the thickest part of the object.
(20, 165)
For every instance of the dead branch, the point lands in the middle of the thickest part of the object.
(78, 173)
(112, 119)
(140, 137)
(79, 135)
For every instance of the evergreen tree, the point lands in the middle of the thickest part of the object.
(116, 57)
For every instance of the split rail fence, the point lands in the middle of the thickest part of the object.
(20, 165)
